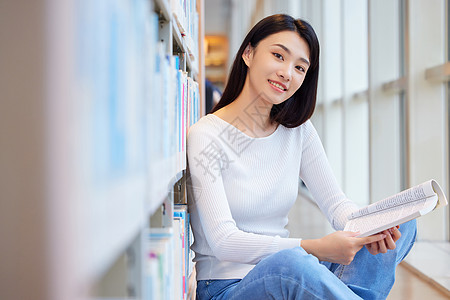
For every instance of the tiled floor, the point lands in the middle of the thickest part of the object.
(306, 221)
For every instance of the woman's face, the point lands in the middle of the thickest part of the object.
(277, 66)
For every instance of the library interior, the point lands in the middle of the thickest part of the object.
(97, 100)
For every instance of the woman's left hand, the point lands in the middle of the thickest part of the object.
(392, 236)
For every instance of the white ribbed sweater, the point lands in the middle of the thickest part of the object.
(243, 188)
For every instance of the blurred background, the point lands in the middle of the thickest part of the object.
(88, 143)
(382, 109)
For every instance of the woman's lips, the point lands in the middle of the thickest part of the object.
(277, 85)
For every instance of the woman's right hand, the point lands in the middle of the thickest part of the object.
(338, 247)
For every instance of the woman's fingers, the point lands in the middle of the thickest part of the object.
(395, 233)
(372, 238)
(382, 244)
(389, 241)
(372, 248)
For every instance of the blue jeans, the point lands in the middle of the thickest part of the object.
(295, 274)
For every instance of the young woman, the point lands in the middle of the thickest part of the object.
(245, 159)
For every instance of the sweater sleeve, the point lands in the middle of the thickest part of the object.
(226, 240)
(316, 173)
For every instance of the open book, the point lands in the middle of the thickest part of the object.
(397, 209)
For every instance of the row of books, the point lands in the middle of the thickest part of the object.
(137, 100)
(188, 114)
(168, 262)
(132, 112)
(186, 16)
(174, 107)
(112, 42)
(130, 120)
(111, 53)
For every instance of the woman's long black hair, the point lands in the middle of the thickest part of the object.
(299, 107)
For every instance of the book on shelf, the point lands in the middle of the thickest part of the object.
(174, 102)
(397, 209)
(159, 264)
(179, 262)
(183, 253)
(186, 18)
(168, 265)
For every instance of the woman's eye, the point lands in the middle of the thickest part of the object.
(300, 68)
(277, 55)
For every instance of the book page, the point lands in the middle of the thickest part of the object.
(387, 218)
(419, 192)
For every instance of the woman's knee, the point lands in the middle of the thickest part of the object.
(407, 240)
(292, 261)
(295, 272)
(409, 231)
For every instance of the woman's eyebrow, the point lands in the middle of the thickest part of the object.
(289, 52)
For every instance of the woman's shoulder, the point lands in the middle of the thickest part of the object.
(205, 126)
(308, 130)
(303, 132)
(306, 127)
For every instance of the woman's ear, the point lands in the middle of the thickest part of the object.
(248, 55)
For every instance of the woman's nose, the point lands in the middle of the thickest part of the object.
(285, 73)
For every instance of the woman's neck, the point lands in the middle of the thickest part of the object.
(253, 113)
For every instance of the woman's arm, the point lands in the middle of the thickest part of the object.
(316, 173)
(339, 247)
(320, 180)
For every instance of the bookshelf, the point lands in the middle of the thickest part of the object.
(111, 90)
